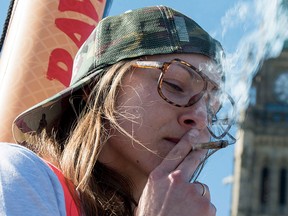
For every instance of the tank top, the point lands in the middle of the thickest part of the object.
(71, 207)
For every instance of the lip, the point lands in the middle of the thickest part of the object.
(173, 140)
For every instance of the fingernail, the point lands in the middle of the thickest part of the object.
(193, 133)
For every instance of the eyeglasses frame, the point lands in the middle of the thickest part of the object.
(163, 67)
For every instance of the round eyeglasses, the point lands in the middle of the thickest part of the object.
(182, 85)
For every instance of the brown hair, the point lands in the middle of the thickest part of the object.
(101, 190)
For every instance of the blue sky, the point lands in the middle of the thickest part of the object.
(214, 17)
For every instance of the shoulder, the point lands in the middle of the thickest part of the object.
(15, 151)
(15, 157)
(25, 177)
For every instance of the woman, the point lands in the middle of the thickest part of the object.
(125, 137)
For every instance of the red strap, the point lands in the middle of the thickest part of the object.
(71, 207)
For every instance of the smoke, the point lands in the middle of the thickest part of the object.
(265, 25)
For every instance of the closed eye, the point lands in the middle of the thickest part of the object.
(172, 86)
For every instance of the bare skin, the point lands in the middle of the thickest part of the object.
(168, 191)
(161, 176)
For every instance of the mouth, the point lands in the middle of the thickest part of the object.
(172, 140)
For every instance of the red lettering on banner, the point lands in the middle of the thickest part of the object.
(79, 34)
(61, 61)
(83, 7)
(60, 66)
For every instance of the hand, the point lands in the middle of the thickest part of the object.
(168, 191)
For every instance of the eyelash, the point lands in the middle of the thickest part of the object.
(174, 86)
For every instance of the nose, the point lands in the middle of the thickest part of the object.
(194, 116)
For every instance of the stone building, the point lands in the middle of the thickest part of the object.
(261, 154)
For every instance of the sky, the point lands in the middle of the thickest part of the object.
(232, 23)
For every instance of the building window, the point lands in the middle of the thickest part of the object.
(252, 95)
(282, 187)
(265, 189)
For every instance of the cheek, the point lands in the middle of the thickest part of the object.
(139, 112)
(142, 112)
(138, 98)
(140, 116)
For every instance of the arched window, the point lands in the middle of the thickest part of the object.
(282, 187)
(264, 186)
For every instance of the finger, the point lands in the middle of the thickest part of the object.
(191, 163)
(179, 152)
(195, 158)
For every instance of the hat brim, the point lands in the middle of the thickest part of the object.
(47, 112)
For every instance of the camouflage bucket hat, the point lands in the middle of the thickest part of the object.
(146, 31)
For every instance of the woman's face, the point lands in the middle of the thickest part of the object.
(156, 124)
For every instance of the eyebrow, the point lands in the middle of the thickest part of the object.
(150, 64)
(159, 65)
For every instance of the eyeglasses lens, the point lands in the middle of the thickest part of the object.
(181, 84)
(221, 115)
